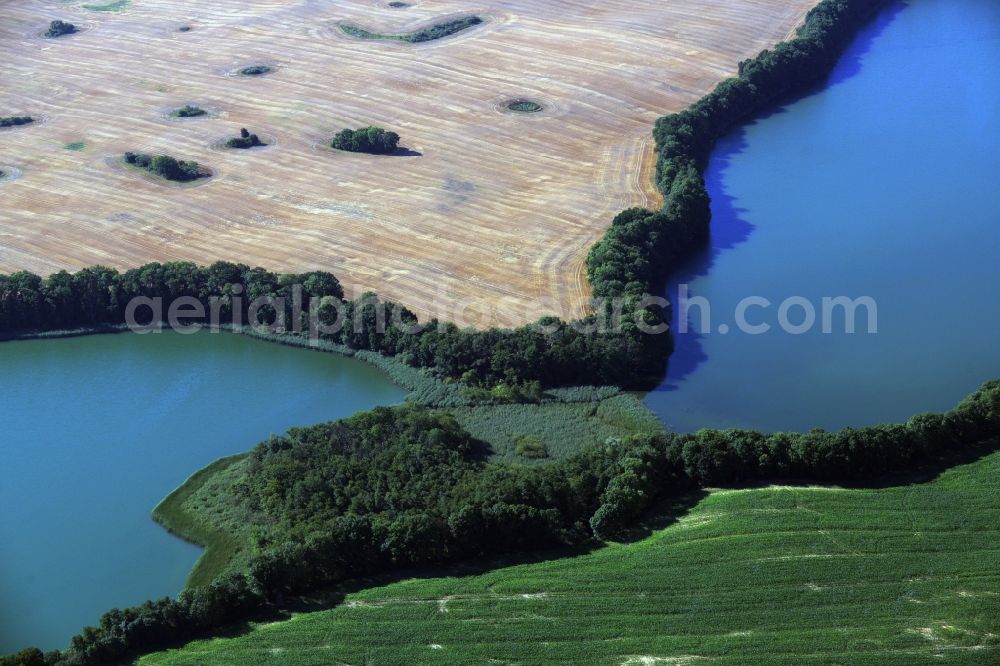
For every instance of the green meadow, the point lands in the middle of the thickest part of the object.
(902, 574)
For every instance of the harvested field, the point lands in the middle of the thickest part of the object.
(487, 209)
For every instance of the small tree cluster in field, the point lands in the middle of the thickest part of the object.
(188, 111)
(437, 31)
(60, 28)
(244, 140)
(255, 70)
(166, 166)
(373, 140)
(13, 121)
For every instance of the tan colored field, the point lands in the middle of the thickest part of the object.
(498, 210)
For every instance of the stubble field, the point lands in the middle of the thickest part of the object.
(488, 209)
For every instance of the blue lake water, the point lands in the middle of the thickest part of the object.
(97, 430)
(885, 183)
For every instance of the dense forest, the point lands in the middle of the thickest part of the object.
(14, 121)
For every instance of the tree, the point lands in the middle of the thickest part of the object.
(60, 28)
(166, 166)
(244, 140)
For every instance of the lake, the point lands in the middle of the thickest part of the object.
(97, 430)
(883, 184)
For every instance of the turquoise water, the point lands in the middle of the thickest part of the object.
(886, 183)
(97, 430)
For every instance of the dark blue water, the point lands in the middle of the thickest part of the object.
(97, 430)
(886, 184)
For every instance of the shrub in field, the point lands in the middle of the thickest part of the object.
(255, 70)
(174, 169)
(188, 111)
(373, 140)
(14, 121)
(524, 106)
(244, 140)
(441, 30)
(166, 166)
(60, 28)
(431, 33)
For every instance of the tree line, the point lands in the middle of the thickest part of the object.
(99, 296)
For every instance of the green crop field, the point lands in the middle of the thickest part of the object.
(905, 574)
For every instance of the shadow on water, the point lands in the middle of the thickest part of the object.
(729, 227)
(848, 65)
